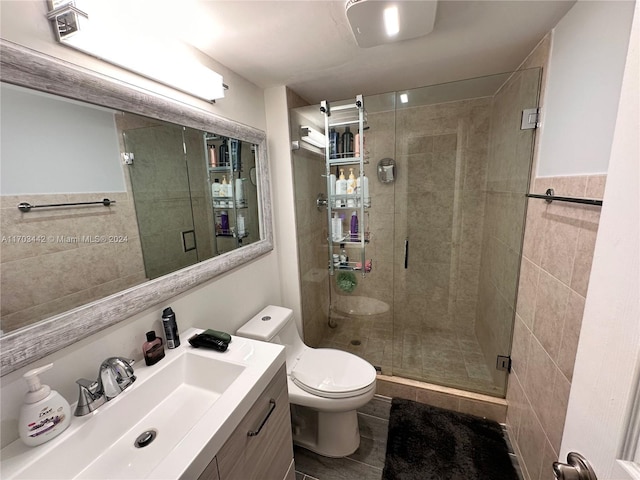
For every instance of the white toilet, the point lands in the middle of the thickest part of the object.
(326, 386)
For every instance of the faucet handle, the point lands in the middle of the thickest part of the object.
(90, 397)
(116, 374)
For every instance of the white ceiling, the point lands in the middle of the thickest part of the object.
(308, 45)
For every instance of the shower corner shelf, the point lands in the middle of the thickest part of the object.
(346, 115)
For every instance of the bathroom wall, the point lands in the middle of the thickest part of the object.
(224, 303)
(559, 238)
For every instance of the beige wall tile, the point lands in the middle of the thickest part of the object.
(527, 290)
(551, 304)
(570, 334)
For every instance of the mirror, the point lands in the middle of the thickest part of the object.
(211, 232)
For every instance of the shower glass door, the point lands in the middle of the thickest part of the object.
(463, 171)
(445, 235)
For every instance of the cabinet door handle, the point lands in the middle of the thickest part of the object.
(272, 407)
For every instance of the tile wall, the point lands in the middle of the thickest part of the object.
(54, 260)
(557, 255)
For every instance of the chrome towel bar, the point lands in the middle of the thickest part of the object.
(26, 206)
(550, 197)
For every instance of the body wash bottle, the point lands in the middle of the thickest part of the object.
(45, 413)
(347, 143)
(354, 226)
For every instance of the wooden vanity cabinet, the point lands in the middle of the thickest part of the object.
(267, 454)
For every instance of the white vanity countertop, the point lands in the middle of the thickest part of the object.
(100, 445)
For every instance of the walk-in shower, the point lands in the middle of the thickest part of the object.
(445, 235)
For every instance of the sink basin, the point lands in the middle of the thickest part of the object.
(192, 400)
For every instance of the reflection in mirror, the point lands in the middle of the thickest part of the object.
(174, 204)
(23, 67)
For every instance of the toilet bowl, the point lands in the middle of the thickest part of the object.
(326, 386)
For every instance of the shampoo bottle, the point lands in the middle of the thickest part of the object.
(213, 157)
(362, 190)
(241, 227)
(224, 221)
(239, 191)
(215, 188)
(354, 226)
(336, 228)
(333, 143)
(341, 188)
(347, 143)
(45, 413)
(351, 188)
(152, 349)
(223, 156)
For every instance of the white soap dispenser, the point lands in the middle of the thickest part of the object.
(45, 413)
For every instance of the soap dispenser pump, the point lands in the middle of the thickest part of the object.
(45, 413)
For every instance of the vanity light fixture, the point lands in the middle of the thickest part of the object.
(312, 137)
(376, 22)
(165, 61)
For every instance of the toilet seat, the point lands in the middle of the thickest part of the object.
(331, 373)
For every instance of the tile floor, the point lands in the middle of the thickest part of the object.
(433, 355)
(368, 461)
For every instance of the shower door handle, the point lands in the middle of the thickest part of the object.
(406, 253)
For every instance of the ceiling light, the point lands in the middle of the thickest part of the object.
(313, 137)
(408, 19)
(404, 98)
(166, 61)
(391, 21)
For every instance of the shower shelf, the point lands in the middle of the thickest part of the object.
(347, 240)
(352, 114)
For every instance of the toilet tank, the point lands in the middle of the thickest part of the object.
(275, 325)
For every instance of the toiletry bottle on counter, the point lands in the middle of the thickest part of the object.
(347, 143)
(341, 188)
(333, 143)
(170, 328)
(354, 226)
(45, 413)
(152, 349)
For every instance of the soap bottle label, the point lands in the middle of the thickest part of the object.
(48, 419)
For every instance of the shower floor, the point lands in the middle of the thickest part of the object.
(433, 355)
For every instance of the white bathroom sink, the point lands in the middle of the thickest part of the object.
(193, 399)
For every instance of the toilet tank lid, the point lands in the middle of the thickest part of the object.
(266, 323)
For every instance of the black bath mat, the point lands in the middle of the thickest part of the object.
(429, 443)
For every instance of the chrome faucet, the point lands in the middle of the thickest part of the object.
(114, 376)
